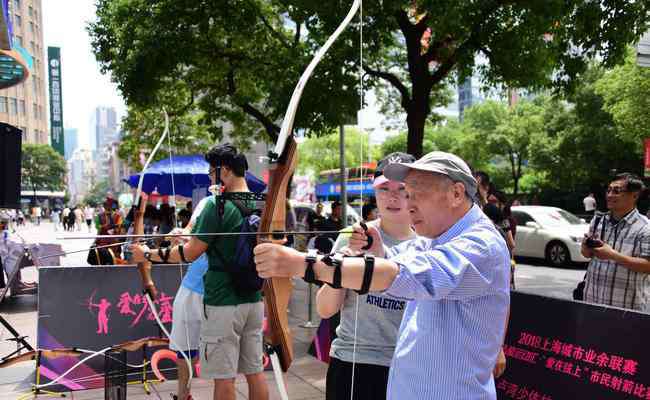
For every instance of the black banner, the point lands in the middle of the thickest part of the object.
(565, 350)
(96, 307)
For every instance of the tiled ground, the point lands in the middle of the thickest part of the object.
(305, 379)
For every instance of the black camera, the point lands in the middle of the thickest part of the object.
(593, 242)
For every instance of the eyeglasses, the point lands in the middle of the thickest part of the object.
(385, 192)
(616, 190)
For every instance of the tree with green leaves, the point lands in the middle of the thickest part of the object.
(625, 90)
(143, 125)
(417, 47)
(97, 193)
(239, 61)
(321, 153)
(583, 144)
(42, 168)
(510, 136)
(449, 137)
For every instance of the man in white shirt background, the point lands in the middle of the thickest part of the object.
(590, 204)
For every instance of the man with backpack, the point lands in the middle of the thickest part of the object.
(233, 311)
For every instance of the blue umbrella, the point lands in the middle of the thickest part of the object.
(189, 173)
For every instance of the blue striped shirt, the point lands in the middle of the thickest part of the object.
(453, 328)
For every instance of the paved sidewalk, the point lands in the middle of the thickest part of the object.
(305, 379)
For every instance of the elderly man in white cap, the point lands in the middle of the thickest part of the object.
(455, 274)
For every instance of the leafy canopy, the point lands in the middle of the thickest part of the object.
(42, 167)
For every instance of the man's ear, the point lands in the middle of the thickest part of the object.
(459, 191)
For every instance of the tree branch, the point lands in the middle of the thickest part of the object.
(469, 44)
(433, 52)
(394, 81)
(296, 37)
(271, 128)
(275, 33)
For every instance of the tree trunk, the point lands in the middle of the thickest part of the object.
(415, 122)
(416, 118)
(516, 172)
(513, 170)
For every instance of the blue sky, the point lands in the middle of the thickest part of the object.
(84, 87)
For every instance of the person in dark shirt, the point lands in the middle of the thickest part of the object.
(369, 212)
(324, 242)
(185, 214)
(334, 221)
(315, 218)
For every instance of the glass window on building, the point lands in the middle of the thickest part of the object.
(3, 104)
(21, 108)
(30, 11)
(18, 20)
(19, 39)
(17, 3)
(35, 110)
(40, 112)
(32, 46)
(31, 26)
(13, 106)
(35, 86)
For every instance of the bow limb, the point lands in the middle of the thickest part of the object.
(34, 354)
(286, 128)
(135, 345)
(151, 156)
(82, 361)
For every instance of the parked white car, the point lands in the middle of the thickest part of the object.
(550, 233)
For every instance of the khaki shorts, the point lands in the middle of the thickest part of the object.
(187, 315)
(231, 340)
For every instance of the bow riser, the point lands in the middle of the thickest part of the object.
(144, 268)
(277, 291)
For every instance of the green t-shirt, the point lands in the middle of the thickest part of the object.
(218, 286)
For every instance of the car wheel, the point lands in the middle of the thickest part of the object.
(557, 254)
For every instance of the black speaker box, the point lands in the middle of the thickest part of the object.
(10, 160)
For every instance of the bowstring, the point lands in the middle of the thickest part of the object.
(361, 174)
(180, 268)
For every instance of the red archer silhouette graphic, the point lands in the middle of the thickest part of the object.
(102, 314)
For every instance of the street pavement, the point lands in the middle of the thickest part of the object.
(305, 379)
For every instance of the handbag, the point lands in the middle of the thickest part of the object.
(579, 291)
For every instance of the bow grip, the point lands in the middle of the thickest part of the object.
(370, 239)
(147, 283)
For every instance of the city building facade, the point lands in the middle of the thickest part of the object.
(81, 174)
(104, 132)
(71, 141)
(25, 105)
